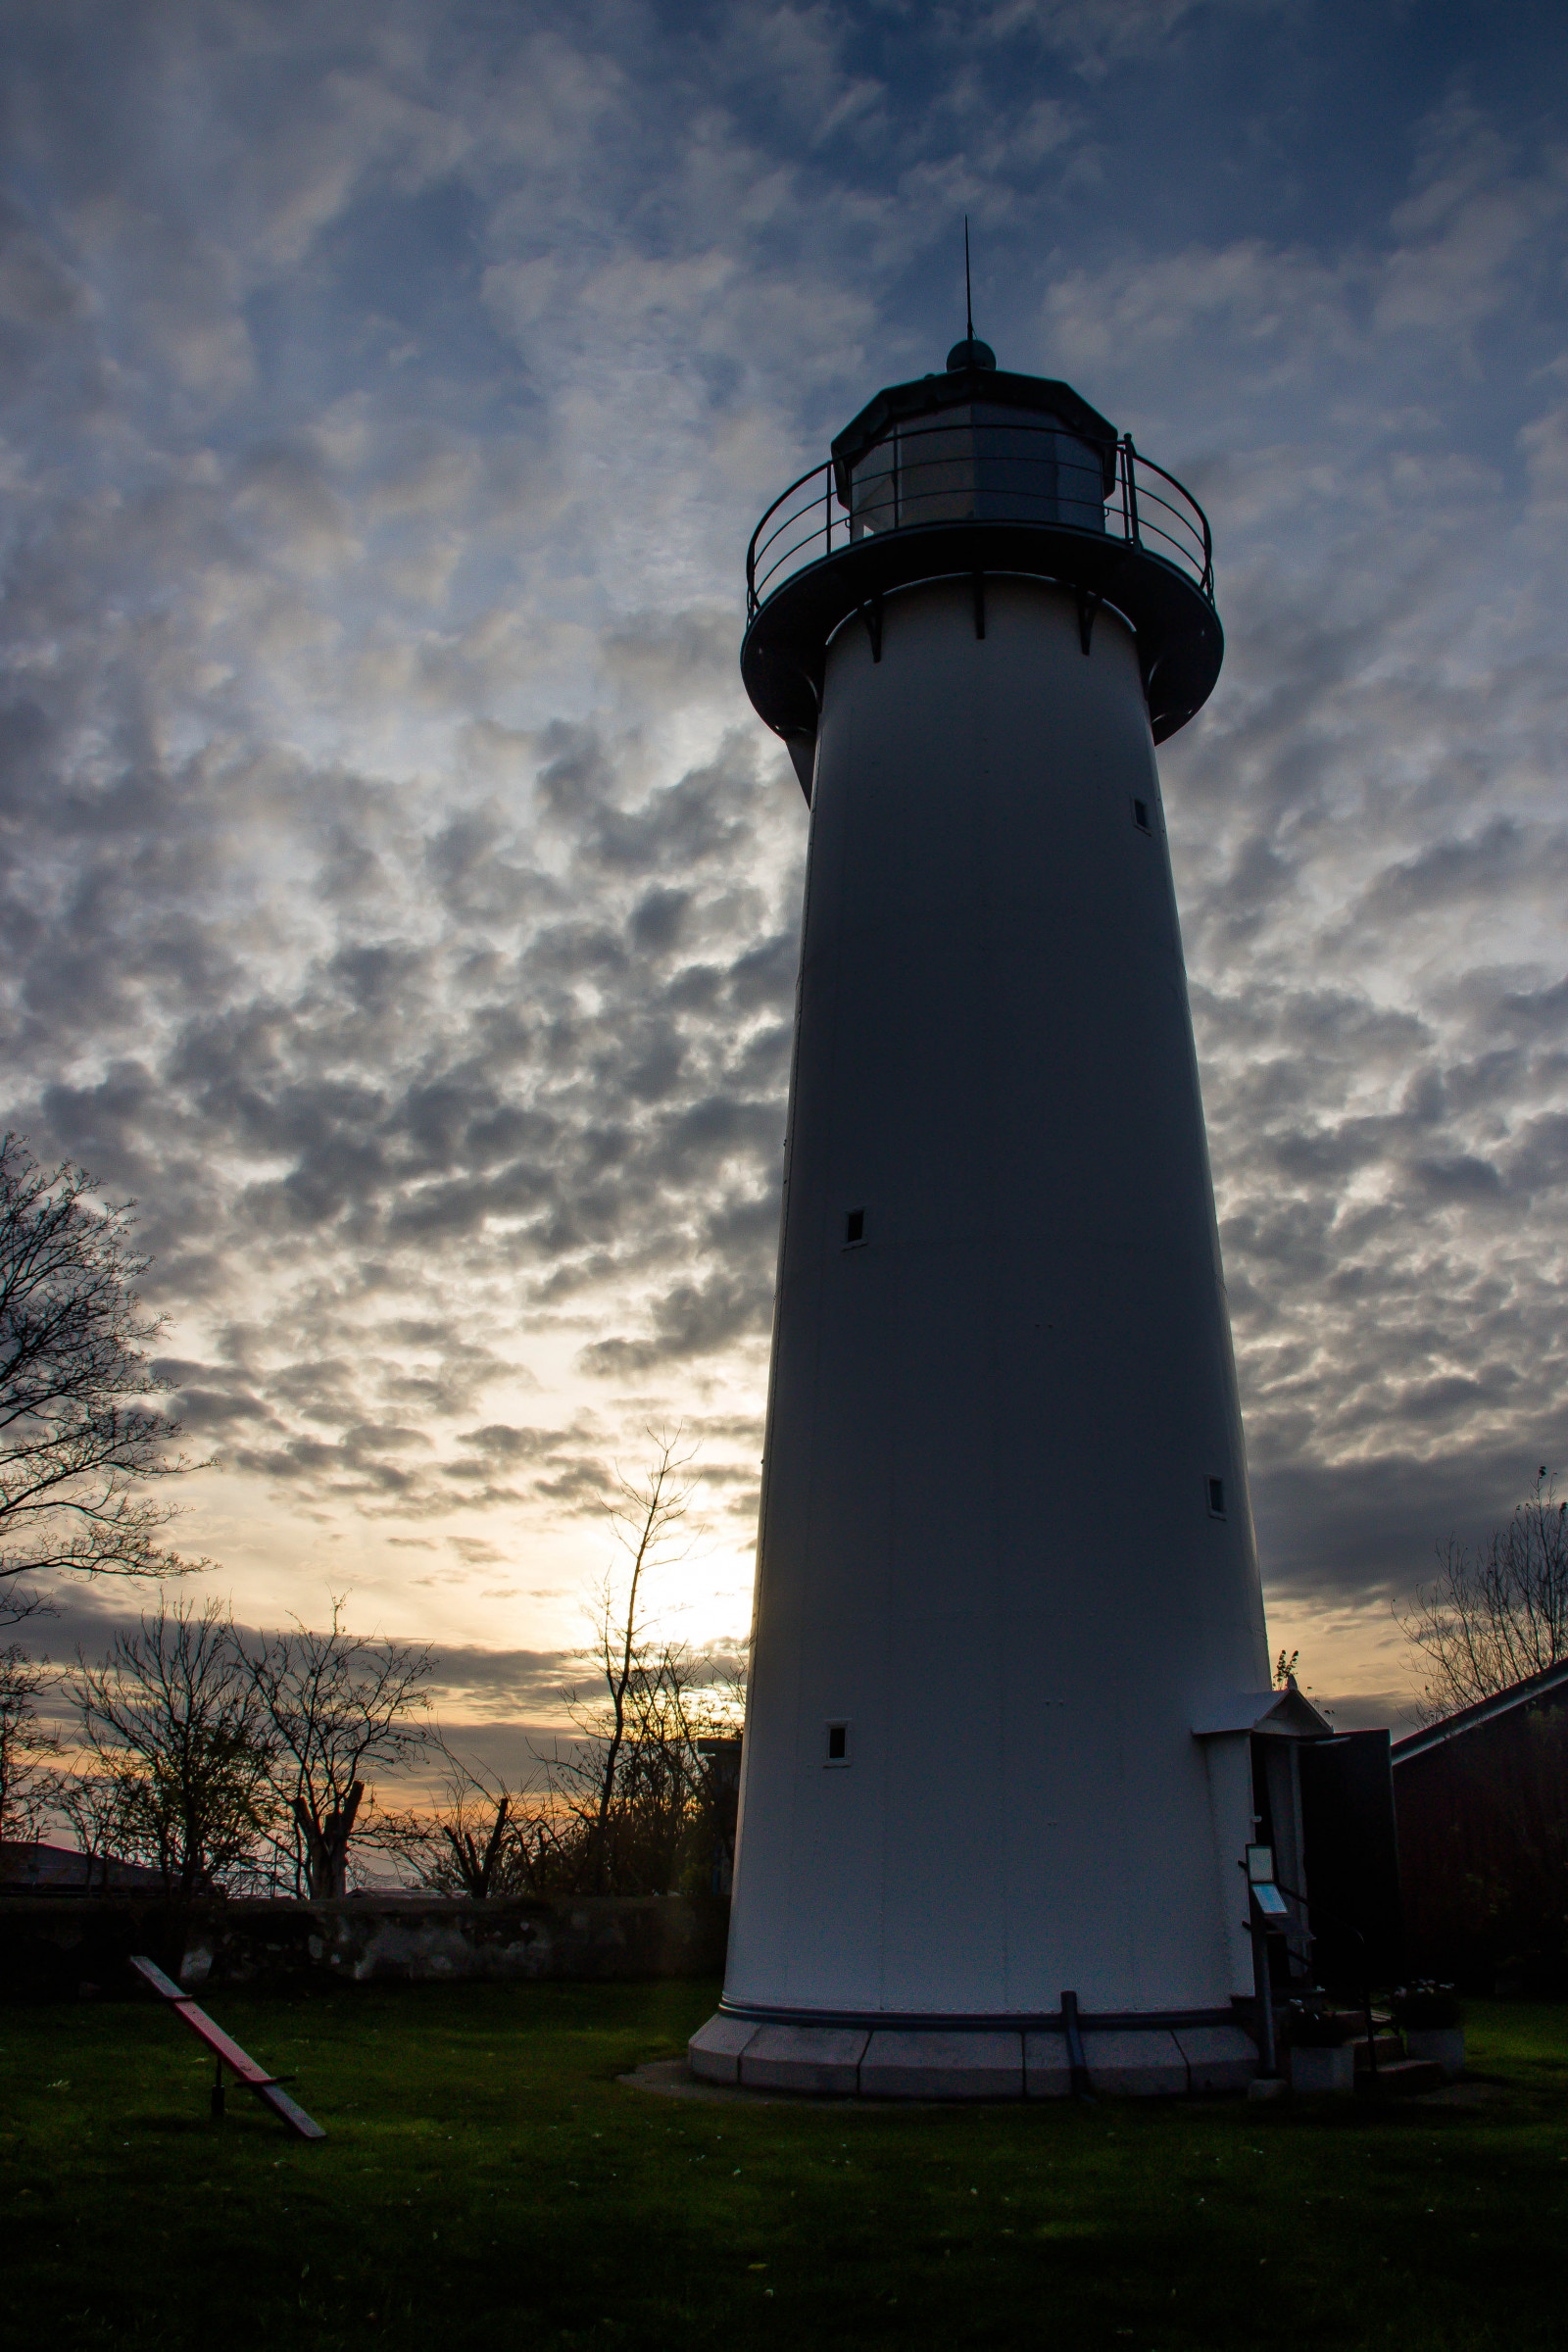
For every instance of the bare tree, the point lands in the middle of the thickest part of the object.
(1499, 1614)
(28, 1751)
(666, 1812)
(639, 1801)
(174, 1724)
(336, 1704)
(101, 1810)
(80, 1435)
(481, 1839)
(649, 1523)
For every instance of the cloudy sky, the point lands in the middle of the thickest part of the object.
(399, 895)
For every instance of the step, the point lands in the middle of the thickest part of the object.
(1389, 2052)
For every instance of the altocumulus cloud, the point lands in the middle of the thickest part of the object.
(397, 897)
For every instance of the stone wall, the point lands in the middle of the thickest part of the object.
(72, 1949)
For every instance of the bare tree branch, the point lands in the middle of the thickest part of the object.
(174, 1724)
(337, 1704)
(101, 1812)
(484, 1840)
(1495, 1616)
(28, 1752)
(640, 1802)
(81, 1437)
(647, 1520)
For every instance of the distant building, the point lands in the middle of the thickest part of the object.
(28, 1867)
(1481, 1804)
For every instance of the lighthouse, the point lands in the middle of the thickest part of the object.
(1009, 1670)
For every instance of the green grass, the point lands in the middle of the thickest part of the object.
(487, 2180)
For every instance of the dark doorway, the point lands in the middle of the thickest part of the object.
(1352, 1860)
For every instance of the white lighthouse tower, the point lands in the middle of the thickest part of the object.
(1009, 1649)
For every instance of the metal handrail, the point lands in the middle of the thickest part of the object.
(1186, 541)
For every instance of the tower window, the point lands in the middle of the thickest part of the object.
(1141, 817)
(1216, 1499)
(838, 1743)
(853, 1226)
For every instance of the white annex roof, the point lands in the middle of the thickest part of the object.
(1284, 1714)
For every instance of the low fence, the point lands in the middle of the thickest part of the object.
(52, 1949)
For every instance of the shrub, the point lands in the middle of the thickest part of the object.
(1426, 2004)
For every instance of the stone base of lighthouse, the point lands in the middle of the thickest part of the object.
(1048, 2060)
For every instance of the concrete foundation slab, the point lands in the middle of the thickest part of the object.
(967, 2062)
(1046, 2072)
(1218, 2057)
(714, 2052)
(1143, 2064)
(821, 2059)
(901, 2065)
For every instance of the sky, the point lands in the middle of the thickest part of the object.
(400, 899)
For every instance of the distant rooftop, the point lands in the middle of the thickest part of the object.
(1544, 1685)
(28, 1867)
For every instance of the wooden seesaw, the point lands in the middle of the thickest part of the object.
(268, 2087)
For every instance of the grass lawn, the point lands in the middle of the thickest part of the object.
(487, 2180)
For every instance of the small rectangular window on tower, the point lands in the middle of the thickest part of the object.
(853, 1226)
(1216, 1499)
(1141, 817)
(838, 1743)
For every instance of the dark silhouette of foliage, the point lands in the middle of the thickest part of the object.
(28, 1751)
(81, 1437)
(80, 1434)
(1495, 1615)
(334, 1703)
(181, 1745)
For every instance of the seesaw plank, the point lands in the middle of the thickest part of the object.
(238, 2061)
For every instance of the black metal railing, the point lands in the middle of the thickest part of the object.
(959, 470)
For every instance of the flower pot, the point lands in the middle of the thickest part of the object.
(1443, 2044)
(1323, 2070)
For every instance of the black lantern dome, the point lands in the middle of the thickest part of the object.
(973, 471)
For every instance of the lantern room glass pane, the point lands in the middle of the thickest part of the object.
(978, 464)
